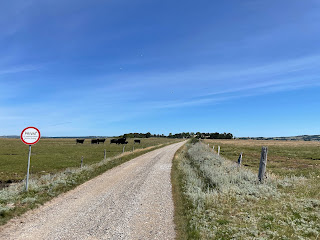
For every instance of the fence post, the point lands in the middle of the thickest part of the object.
(263, 163)
(218, 150)
(213, 148)
(208, 144)
(123, 148)
(240, 159)
(105, 154)
(132, 148)
(81, 161)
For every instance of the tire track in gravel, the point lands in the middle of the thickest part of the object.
(131, 201)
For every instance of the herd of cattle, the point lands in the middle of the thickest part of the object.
(115, 140)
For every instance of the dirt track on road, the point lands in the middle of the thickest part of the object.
(131, 201)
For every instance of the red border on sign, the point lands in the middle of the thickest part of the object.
(33, 142)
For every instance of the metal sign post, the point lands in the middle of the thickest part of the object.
(27, 183)
(29, 136)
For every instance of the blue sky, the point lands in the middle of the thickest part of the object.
(74, 68)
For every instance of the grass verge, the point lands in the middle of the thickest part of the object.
(14, 201)
(180, 201)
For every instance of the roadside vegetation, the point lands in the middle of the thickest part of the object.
(42, 187)
(216, 199)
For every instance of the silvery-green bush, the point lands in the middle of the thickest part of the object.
(28, 200)
(219, 175)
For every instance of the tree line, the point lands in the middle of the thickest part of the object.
(198, 135)
(215, 135)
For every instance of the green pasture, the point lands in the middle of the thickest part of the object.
(52, 155)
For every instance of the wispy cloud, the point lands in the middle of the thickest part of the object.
(194, 87)
(126, 93)
(18, 69)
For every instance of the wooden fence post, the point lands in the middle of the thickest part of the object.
(81, 161)
(123, 148)
(132, 148)
(213, 148)
(240, 159)
(218, 150)
(105, 154)
(263, 163)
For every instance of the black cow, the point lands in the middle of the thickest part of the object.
(119, 141)
(114, 141)
(101, 140)
(79, 141)
(122, 140)
(94, 141)
(137, 141)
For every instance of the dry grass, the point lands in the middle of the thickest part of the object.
(298, 158)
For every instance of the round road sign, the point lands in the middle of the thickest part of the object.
(30, 135)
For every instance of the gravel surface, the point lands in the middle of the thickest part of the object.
(131, 201)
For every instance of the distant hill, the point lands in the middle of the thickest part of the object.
(10, 136)
(294, 138)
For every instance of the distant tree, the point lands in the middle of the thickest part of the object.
(229, 136)
(198, 135)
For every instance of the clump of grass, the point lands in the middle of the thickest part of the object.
(194, 140)
(29, 200)
(3, 210)
(228, 202)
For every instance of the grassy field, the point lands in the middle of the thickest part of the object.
(284, 157)
(53, 155)
(216, 199)
(43, 186)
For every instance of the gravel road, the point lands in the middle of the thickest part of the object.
(131, 201)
